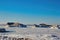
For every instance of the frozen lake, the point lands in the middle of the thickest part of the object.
(33, 32)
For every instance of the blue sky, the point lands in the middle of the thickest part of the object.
(30, 11)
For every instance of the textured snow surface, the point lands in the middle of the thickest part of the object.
(49, 37)
(33, 33)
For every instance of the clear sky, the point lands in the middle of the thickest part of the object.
(30, 11)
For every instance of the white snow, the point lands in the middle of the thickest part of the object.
(33, 33)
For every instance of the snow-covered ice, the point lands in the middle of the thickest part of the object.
(33, 33)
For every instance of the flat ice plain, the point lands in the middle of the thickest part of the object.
(34, 33)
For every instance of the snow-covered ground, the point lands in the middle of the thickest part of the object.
(33, 33)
